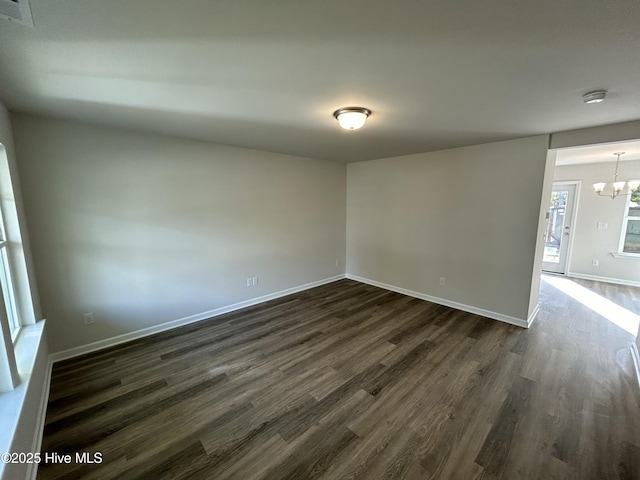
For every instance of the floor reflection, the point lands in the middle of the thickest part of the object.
(614, 313)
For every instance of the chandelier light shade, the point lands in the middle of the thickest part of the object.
(616, 186)
(352, 118)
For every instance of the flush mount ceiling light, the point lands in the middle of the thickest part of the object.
(352, 118)
(616, 191)
(596, 96)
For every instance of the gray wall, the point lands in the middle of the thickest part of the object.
(142, 229)
(617, 132)
(589, 243)
(470, 215)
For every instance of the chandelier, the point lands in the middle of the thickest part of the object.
(616, 191)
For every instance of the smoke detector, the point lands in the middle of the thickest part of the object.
(18, 11)
(596, 96)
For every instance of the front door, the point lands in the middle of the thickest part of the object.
(558, 231)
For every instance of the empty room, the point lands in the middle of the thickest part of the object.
(319, 240)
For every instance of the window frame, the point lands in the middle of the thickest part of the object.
(6, 285)
(8, 317)
(7, 288)
(20, 332)
(625, 222)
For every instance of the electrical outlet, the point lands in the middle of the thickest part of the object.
(595, 262)
(252, 281)
(337, 262)
(88, 318)
(441, 280)
(255, 281)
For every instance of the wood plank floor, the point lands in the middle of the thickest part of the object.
(348, 381)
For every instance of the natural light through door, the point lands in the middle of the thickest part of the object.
(558, 230)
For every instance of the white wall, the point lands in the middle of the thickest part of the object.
(542, 225)
(590, 243)
(469, 214)
(142, 229)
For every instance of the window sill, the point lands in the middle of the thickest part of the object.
(27, 346)
(629, 256)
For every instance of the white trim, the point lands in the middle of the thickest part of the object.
(626, 256)
(12, 403)
(623, 233)
(596, 278)
(533, 315)
(448, 303)
(635, 355)
(574, 218)
(32, 469)
(127, 337)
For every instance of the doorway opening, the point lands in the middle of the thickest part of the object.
(559, 228)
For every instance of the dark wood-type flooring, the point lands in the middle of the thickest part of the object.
(349, 381)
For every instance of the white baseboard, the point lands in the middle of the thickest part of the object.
(635, 355)
(596, 278)
(448, 303)
(127, 337)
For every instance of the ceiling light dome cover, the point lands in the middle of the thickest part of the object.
(352, 118)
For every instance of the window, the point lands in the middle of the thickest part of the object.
(7, 286)
(631, 227)
(17, 310)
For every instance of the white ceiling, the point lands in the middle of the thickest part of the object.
(268, 74)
